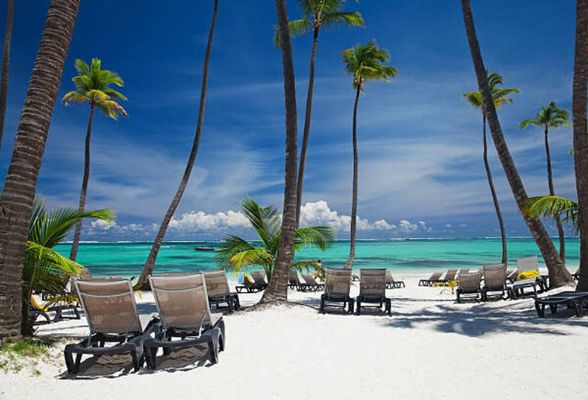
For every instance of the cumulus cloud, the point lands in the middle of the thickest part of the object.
(201, 221)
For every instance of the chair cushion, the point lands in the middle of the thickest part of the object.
(528, 275)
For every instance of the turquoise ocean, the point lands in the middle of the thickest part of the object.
(406, 256)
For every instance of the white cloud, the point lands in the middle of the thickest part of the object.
(448, 226)
(201, 221)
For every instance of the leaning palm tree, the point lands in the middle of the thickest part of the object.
(93, 86)
(277, 289)
(558, 274)
(365, 63)
(17, 197)
(500, 97)
(5, 64)
(152, 257)
(580, 137)
(237, 253)
(551, 117)
(316, 14)
(45, 270)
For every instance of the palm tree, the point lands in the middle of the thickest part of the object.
(551, 117)
(580, 136)
(45, 270)
(150, 262)
(93, 86)
(19, 188)
(277, 289)
(237, 253)
(500, 97)
(5, 64)
(558, 274)
(364, 63)
(316, 14)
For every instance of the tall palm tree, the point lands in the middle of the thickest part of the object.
(365, 63)
(316, 14)
(5, 64)
(150, 262)
(17, 197)
(551, 117)
(45, 270)
(558, 274)
(93, 86)
(277, 289)
(500, 97)
(580, 136)
(238, 253)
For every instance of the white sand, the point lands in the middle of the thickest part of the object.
(430, 348)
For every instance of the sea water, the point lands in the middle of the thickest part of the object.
(403, 256)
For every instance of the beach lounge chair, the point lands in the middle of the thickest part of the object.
(337, 286)
(511, 275)
(495, 281)
(312, 284)
(468, 285)
(112, 317)
(450, 275)
(391, 283)
(429, 282)
(528, 276)
(254, 283)
(372, 290)
(463, 271)
(217, 287)
(294, 281)
(576, 275)
(573, 300)
(184, 317)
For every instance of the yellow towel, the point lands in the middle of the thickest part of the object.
(528, 275)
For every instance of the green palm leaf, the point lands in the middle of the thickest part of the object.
(553, 207)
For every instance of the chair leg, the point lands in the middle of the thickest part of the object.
(69, 362)
(136, 362)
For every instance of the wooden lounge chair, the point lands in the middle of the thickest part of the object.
(495, 281)
(468, 285)
(372, 290)
(429, 282)
(450, 275)
(337, 286)
(184, 317)
(112, 317)
(217, 287)
(573, 300)
(391, 283)
(312, 284)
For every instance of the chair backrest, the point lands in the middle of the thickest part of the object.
(450, 275)
(309, 280)
(373, 282)
(109, 305)
(469, 281)
(527, 264)
(435, 276)
(293, 277)
(389, 278)
(217, 284)
(338, 282)
(259, 277)
(182, 301)
(463, 271)
(495, 275)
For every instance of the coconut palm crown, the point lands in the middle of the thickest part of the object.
(499, 95)
(366, 63)
(550, 116)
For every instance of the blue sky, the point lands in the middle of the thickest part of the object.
(421, 172)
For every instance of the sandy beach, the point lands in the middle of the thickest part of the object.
(430, 348)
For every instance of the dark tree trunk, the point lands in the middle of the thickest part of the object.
(5, 65)
(76, 239)
(558, 274)
(152, 258)
(277, 289)
(353, 227)
(580, 134)
(560, 231)
(19, 189)
(494, 195)
(306, 132)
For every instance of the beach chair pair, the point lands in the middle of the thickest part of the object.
(372, 290)
(494, 276)
(310, 284)
(111, 312)
(254, 283)
(391, 283)
(437, 278)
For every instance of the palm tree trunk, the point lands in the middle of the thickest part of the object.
(277, 289)
(494, 195)
(580, 135)
(150, 263)
(78, 231)
(19, 189)
(5, 65)
(558, 274)
(560, 231)
(353, 227)
(307, 118)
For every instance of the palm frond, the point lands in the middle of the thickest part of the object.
(265, 220)
(552, 207)
(317, 236)
(351, 19)
(252, 257)
(228, 247)
(296, 27)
